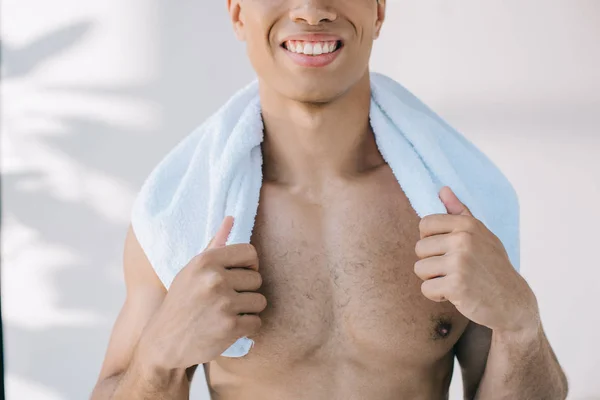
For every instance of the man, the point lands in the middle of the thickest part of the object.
(375, 306)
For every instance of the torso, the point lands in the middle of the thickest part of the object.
(346, 318)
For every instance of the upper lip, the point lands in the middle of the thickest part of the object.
(313, 37)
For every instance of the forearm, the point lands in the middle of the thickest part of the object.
(142, 382)
(522, 366)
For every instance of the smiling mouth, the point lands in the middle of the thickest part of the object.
(312, 48)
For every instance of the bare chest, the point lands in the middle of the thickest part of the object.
(340, 284)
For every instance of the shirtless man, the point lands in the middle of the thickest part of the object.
(345, 291)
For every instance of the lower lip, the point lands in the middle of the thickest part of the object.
(313, 61)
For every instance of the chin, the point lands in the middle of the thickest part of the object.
(321, 88)
(317, 92)
(316, 97)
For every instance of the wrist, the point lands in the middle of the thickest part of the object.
(155, 348)
(153, 369)
(525, 322)
(526, 335)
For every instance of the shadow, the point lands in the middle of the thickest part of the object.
(198, 55)
(24, 60)
(54, 356)
(89, 234)
(112, 149)
(63, 358)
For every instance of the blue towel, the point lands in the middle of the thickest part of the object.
(217, 171)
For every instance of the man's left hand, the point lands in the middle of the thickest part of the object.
(462, 261)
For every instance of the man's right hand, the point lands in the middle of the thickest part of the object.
(211, 303)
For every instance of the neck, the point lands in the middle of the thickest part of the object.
(308, 144)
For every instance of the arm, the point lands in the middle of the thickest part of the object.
(504, 354)
(509, 366)
(128, 371)
(160, 338)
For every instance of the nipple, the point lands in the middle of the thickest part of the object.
(443, 330)
(443, 327)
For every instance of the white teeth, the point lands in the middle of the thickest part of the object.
(317, 49)
(308, 48)
(311, 48)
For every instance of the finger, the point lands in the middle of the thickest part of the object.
(248, 325)
(431, 267)
(434, 289)
(437, 245)
(452, 202)
(243, 279)
(249, 303)
(437, 224)
(241, 255)
(220, 238)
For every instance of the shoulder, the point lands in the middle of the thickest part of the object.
(137, 268)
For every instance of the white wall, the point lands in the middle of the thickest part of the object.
(94, 93)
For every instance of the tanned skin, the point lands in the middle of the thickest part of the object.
(345, 291)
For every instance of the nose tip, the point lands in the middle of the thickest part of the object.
(312, 15)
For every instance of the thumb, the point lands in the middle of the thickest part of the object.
(452, 203)
(220, 238)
